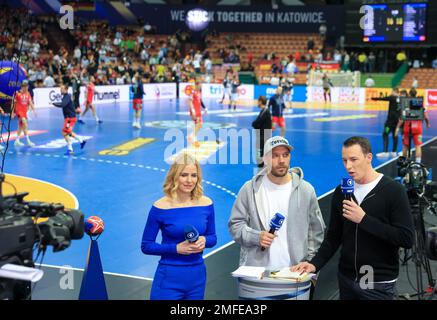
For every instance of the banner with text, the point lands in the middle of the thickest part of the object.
(216, 90)
(168, 19)
(107, 94)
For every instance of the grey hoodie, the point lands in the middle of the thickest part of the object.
(305, 225)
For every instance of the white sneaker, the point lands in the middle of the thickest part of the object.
(382, 155)
(18, 143)
(30, 143)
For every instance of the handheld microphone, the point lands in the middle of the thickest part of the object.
(347, 188)
(275, 224)
(191, 233)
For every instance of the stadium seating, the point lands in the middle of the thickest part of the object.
(426, 78)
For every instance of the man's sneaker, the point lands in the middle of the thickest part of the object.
(30, 143)
(82, 144)
(81, 121)
(18, 143)
(69, 152)
(382, 155)
(99, 121)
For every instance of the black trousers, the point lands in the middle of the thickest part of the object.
(351, 290)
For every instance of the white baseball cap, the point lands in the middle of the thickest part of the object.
(274, 142)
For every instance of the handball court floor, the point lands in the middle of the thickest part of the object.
(122, 188)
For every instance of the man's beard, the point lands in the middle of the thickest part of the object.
(275, 173)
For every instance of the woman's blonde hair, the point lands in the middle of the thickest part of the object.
(171, 183)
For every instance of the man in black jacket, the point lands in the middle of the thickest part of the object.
(370, 229)
(393, 115)
(263, 126)
(69, 119)
(76, 83)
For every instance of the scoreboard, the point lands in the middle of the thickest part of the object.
(395, 22)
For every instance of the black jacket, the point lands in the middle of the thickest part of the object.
(394, 109)
(137, 91)
(375, 241)
(67, 106)
(264, 120)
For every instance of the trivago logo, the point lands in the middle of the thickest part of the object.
(189, 90)
(218, 89)
(432, 97)
(241, 91)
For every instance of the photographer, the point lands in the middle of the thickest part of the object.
(413, 127)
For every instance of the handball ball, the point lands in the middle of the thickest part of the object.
(11, 76)
(94, 226)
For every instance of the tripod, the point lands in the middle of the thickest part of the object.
(418, 256)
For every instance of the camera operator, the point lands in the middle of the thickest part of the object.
(394, 113)
(416, 132)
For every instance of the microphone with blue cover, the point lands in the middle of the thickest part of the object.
(191, 233)
(275, 224)
(347, 188)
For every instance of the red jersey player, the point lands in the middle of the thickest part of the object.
(22, 102)
(196, 106)
(416, 134)
(90, 90)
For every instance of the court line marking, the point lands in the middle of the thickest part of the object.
(76, 201)
(104, 272)
(126, 164)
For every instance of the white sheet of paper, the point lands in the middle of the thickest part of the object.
(249, 272)
(13, 271)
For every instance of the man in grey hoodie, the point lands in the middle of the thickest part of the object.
(277, 189)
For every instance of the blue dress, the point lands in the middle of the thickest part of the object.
(178, 277)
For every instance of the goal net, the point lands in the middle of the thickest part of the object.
(338, 79)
